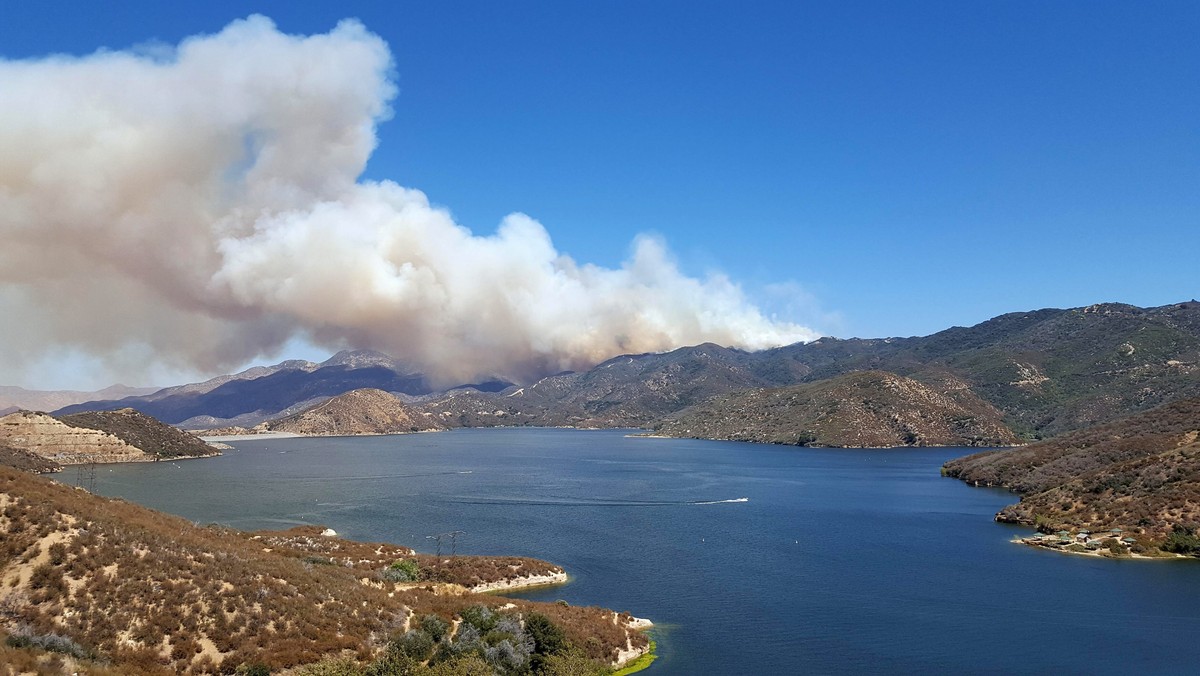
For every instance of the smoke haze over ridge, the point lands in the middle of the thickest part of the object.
(201, 206)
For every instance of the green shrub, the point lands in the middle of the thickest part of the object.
(332, 666)
(416, 645)
(1182, 540)
(405, 570)
(479, 616)
(435, 626)
(548, 638)
(24, 638)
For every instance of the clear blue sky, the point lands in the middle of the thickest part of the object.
(911, 165)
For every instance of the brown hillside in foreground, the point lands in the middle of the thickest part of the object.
(365, 411)
(1140, 474)
(861, 409)
(26, 461)
(152, 593)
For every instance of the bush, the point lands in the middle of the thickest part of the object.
(436, 627)
(332, 666)
(1182, 540)
(471, 665)
(479, 616)
(416, 645)
(571, 663)
(25, 638)
(402, 571)
(548, 638)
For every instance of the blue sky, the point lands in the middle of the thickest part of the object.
(868, 168)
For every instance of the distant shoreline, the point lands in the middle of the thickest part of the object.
(260, 435)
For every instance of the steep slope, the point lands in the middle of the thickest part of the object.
(64, 444)
(150, 593)
(365, 411)
(864, 409)
(140, 430)
(110, 436)
(27, 461)
(1140, 474)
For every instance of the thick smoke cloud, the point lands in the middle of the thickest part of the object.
(199, 208)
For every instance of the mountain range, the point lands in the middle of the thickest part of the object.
(1044, 372)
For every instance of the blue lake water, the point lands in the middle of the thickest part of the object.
(839, 561)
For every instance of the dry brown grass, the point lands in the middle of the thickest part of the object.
(153, 593)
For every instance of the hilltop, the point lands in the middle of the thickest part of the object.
(143, 432)
(109, 585)
(108, 436)
(363, 411)
(862, 409)
(1140, 474)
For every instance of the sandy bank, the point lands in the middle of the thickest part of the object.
(558, 577)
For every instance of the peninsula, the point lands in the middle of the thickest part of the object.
(92, 585)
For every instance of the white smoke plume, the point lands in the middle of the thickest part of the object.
(199, 206)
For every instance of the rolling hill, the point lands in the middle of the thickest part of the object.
(364, 411)
(1140, 473)
(860, 409)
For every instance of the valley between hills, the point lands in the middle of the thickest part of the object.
(1092, 415)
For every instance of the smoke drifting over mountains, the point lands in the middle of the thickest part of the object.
(200, 206)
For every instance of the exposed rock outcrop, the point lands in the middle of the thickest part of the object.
(51, 438)
(105, 436)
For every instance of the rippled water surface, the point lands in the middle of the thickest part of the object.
(752, 559)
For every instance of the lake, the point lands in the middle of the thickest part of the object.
(836, 561)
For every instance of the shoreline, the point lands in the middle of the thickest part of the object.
(819, 446)
(255, 435)
(1030, 542)
(101, 460)
(522, 583)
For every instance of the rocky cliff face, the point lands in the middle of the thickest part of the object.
(143, 432)
(365, 411)
(866, 409)
(53, 439)
(106, 436)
